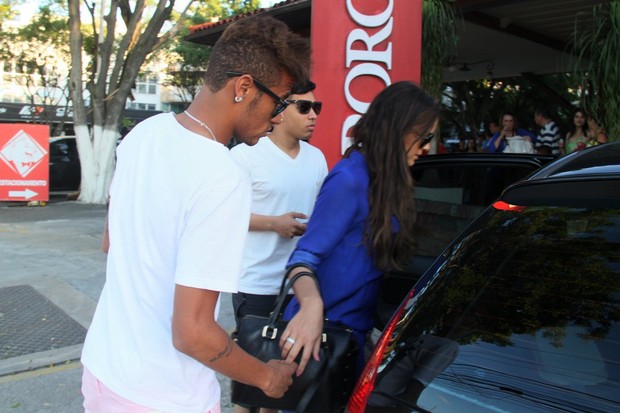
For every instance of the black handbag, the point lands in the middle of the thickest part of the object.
(324, 386)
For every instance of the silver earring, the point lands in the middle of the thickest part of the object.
(281, 118)
(238, 99)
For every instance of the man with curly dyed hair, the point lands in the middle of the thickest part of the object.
(178, 217)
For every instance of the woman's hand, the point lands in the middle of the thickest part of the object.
(303, 333)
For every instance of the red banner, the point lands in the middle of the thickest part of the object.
(24, 162)
(359, 48)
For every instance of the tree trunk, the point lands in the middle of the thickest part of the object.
(97, 161)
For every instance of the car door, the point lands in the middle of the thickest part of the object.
(451, 190)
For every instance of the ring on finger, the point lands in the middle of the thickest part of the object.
(290, 340)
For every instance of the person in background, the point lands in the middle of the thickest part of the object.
(286, 174)
(483, 138)
(498, 141)
(549, 134)
(596, 133)
(493, 128)
(362, 224)
(471, 145)
(178, 218)
(577, 136)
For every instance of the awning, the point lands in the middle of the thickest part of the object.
(507, 38)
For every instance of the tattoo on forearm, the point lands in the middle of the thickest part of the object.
(223, 353)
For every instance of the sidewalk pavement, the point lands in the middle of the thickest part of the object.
(53, 268)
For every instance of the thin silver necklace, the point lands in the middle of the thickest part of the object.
(204, 125)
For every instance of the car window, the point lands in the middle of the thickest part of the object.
(449, 198)
(59, 148)
(522, 316)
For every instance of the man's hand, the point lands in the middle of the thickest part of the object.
(281, 379)
(196, 333)
(287, 226)
(500, 138)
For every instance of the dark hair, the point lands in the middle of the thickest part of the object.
(261, 46)
(491, 123)
(379, 134)
(544, 112)
(302, 87)
(572, 128)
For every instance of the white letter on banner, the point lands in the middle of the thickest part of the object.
(370, 69)
(370, 55)
(370, 21)
(346, 140)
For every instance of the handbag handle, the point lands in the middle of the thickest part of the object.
(270, 330)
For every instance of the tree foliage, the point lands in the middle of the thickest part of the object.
(439, 40)
(190, 59)
(39, 53)
(7, 10)
(596, 46)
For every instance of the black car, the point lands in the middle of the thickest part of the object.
(521, 312)
(64, 166)
(451, 190)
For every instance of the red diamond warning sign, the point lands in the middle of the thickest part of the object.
(24, 162)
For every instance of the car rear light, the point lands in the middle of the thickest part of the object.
(366, 382)
(504, 206)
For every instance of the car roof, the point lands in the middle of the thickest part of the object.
(479, 157)
(60, 138)
(597, 160)
(588, 178)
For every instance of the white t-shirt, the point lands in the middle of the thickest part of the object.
(280, 184)
(179, 214)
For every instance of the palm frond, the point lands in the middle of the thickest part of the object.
(596, 64)
(439, 40)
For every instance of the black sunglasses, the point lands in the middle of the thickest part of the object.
(304, 106)
(425, 141)
(281, 104)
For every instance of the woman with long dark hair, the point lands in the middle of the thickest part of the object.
(362, 223)
(577, 136)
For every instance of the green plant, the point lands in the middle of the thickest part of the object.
(596, 47)
(439, 41)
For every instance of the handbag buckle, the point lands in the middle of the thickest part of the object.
(274, 333)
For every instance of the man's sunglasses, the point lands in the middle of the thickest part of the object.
(281, 104)
(304, 106)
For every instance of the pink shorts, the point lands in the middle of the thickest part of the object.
(100, 399)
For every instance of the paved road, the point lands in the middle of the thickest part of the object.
(56, 250)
